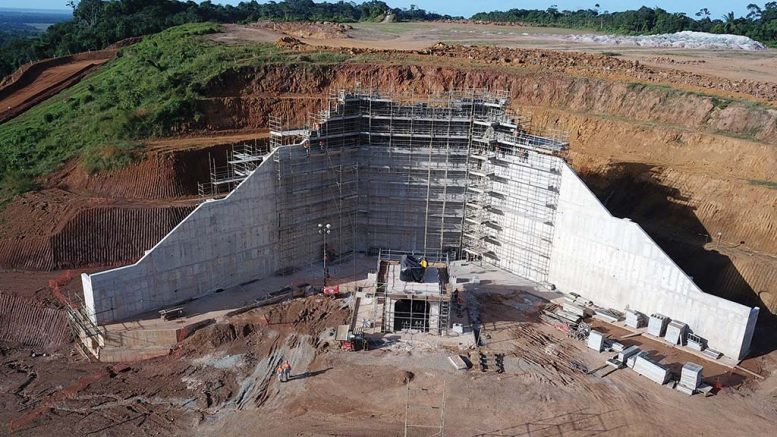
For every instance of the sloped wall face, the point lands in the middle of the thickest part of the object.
(614, 263)
(222, 243)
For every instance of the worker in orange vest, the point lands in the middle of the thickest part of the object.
(286, 370)
(279, 372)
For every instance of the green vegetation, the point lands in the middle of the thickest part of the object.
(768, 184)
(760, 23)
(720, 103)
(99, 23)
(151, 89)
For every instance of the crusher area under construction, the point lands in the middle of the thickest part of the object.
(450, 177)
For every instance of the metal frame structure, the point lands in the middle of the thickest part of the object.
(418, 321)
(241, 160)
(454, 173)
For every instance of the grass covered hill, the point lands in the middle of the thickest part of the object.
(151, 88)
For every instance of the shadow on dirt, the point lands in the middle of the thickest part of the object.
(309, 374)
(560, 425)
(631, 190)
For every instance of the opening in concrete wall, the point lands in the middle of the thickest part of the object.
(411, 314)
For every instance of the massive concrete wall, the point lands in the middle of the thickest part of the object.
(412, 196)
(524, 193)
(406, 191)
(614, 262)
(222, 243)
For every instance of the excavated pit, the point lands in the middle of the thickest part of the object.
(681, 165)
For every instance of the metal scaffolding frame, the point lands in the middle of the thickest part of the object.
(455, 172)
(241, 160)
(424, 320)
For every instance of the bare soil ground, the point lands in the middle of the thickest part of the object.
(238, 33)
(221, 381)
(183, 143)
(307, 30)
(735, 65)
(46, 80)
(36, 83)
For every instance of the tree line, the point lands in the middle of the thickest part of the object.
(99, 23)
(760, 23)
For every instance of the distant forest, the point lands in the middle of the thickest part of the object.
(760, 23)
(19, 23)
(96, 24)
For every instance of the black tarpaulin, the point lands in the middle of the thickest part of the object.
(410, 269)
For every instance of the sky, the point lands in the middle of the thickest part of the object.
(469, 7)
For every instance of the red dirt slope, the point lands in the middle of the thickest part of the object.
(35, 82)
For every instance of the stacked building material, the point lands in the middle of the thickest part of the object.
(631, 361)
(575, 309)
(596, 341)
(696, 343)
(676, 332)
(567, 316)
(635, 319)
(627, 353)
(691, 375)
(657, 325)
(651, 370)
(554, 316)
(712, 353)
(607, 315)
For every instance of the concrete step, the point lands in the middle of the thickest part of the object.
(115, 354)
(141, 338)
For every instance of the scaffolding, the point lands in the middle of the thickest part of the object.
(422, 310)
(241, 160)
(317, 183)
(455, 173)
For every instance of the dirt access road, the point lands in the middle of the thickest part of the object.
(43, 79)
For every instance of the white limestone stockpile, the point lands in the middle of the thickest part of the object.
(684, 40)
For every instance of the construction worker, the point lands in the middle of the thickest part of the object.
(286, 370)
(279, 371)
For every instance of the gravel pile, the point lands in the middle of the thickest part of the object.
(686, 40)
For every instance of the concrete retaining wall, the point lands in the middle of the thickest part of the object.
(614, 262)
(551, 228)
(222, 243)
